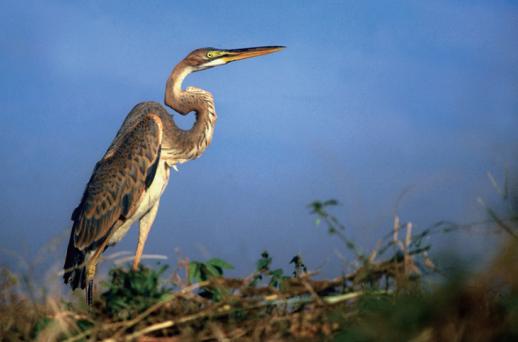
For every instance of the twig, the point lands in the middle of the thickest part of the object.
(127, 324)
(347, 296)
(498, 220)
(312, 291)
(122, 260)
(167, 324)
(223, 308)
(156, 306)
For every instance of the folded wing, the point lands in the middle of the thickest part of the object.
(115, 189)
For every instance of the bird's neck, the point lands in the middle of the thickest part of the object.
(175, 96)
(190, 144)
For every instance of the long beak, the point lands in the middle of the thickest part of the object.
(237, 54)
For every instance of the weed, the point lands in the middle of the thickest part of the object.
(129, 292)
(204, 271)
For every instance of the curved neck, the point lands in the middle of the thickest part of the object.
(189, 144)
(174, 94)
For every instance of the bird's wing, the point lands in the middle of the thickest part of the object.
(118, 181)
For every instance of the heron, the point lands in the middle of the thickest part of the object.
(127, 183)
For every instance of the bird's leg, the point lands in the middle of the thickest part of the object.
(91, 266)
(90, 274)
(145, 226)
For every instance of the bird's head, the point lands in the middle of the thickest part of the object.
(201, 59)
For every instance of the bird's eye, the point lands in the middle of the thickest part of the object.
(210, 54)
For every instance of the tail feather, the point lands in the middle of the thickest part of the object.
(75, 270)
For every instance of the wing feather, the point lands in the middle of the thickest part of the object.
(118, 181)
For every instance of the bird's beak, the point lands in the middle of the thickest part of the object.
(237, 54)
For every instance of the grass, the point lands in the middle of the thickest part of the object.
(387, 297)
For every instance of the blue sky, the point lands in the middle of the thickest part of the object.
(368, 99)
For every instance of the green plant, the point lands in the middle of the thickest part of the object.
(210, 269)
(334, 227)
(129, 292)
(508, 221)
(201, 271)
(276, 277)
(299, 268)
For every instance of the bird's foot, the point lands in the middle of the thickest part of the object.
(90, 292)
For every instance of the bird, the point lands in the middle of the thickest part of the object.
(128, 181)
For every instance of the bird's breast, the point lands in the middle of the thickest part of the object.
(155, 190)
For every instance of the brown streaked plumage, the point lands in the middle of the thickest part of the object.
(127, 182)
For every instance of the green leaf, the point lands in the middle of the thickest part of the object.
(40, 325)
(213, 271)
(276, 273)
(263, 264)
(220, 263)
(130, 291)
(194, 272)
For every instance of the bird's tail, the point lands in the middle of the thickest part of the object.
(75, 270)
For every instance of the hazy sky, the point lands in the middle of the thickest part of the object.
(368, 99)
